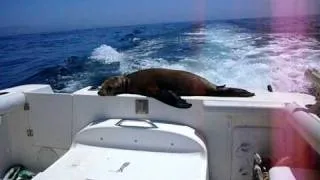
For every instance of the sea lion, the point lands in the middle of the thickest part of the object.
(167, 86)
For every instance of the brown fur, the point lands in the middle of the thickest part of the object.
(165, 84)
(183, 83)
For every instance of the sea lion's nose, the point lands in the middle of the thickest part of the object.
(99, 93)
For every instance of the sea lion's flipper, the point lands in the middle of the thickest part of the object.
(269, 87)
(172, 99)
(221, 86)
(230, 92)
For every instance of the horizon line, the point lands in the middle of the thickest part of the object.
(69, 29)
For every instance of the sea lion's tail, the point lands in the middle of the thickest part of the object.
(230, 92)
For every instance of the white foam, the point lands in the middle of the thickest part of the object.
(231, 57)
(239, 62)
(71, 86)
(228, 56)
(295, 55)
(225, 65)
(106, 54)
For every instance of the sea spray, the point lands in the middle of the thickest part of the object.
(106, 54)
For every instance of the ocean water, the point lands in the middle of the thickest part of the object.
(247, 53)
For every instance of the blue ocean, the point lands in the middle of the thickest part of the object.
(246, 53)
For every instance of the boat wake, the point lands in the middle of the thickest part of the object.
(223, 57)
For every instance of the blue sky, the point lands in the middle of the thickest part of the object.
(96, 13)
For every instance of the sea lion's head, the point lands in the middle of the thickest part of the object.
(113, 86)
(233, 92)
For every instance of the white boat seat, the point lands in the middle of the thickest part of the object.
(125, 150)
(287, 173)
(306, 124)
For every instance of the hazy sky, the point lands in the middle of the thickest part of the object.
(93, 13)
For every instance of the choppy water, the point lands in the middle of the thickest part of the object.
(244, 53)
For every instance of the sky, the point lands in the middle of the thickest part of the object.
(72, 14)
